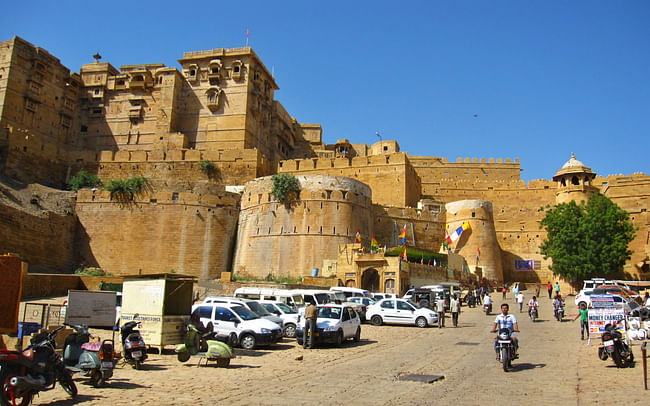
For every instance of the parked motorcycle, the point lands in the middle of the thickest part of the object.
(38, 368)
(135, 350)
(615, 347)
(559, 313)
(205, 343)
(95, 360)
(487, 308)
(532, 313)
(506, 348)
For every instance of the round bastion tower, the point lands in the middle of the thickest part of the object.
(291, 240)
(481, 235)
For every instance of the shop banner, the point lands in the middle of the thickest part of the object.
(600, 317)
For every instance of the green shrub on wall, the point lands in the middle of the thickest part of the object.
(284, 185)
(82, 180)
(126, 189)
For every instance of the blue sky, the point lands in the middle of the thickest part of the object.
(544, 78)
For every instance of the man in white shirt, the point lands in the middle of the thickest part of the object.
(440, 308)
(505, 320)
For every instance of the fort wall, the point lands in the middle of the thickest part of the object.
(290, 240)
(160, 232)
(46, 241)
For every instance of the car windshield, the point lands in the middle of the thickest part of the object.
(329, 313)
(417, 305)
(244, 313)
(258, 309)
(285, 309)
(322, 297)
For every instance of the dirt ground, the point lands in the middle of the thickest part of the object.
(555, 367)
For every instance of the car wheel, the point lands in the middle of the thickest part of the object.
(357, 335)
(247, 341)
(421, 322)
(339, 338)
(290, 330)
(376, 320)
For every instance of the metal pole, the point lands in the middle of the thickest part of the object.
(645, 366)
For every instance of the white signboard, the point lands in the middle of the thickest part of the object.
(91, 308)
(600, 317)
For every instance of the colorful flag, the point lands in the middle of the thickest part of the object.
(404, 254)
(403, 235)
(478, 254)
(374, 245)
(357, 239)
(457, 232)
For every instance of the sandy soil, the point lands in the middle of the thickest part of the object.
(555, 367)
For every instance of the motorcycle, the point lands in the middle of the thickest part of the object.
(205, 344)
(38, 368)
(559, 313)
(487, 308)
(92, 359)
(506, 348)
(532, 313)
(614, 346)
(135, 350)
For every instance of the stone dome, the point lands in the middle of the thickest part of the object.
(573, 166)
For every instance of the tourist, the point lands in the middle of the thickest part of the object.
(557, 288)
(440, 308)
(549, 288)
(454, 307)
(584, 320)
(520, 300)
(311, 314)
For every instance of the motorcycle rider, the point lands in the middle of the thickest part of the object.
(487, 300)
(558, 302)
(533, 303)
(509, 321)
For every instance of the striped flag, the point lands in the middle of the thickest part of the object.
(457, 232)
(374, 245)
(403, 235)
(357, 238)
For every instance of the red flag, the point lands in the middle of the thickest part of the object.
(478, 254)
(404, 255)
(357, 239)
(247, 32)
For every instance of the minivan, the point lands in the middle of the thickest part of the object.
(252, 305)
(285, 296)
(245, 327)
(349, 292)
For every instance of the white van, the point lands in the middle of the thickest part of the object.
(319, 297)
(285, 296)
(350, 292)
(248, 329)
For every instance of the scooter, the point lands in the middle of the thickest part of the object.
(38, 368)
(95, 360)
(614, 346)
(559, 313)
(135, 350)
(487, 308)
(205, 343)
(532, 312)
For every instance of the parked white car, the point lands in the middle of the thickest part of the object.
(245, 327)
(286, 313)
(250, 304)
(335, 324)
(400, 311)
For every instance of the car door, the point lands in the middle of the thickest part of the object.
(404, 313)
(354, 323)
(387, 311)
(205, 314)
(226, 321)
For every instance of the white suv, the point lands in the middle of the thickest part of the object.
(335, 324)
(236, 321)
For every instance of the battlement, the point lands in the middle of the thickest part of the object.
(223, 199)
(435, 161)
(174, 155)
(312, 164)
(409, 213)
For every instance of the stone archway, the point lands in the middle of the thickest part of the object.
(370, 280)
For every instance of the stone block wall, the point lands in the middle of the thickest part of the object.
(162, 232)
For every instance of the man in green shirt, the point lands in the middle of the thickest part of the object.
(584, 321)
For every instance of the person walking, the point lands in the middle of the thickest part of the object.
(520, 300)
(557, 288)
(454, 307)
(537, 287)
(583, 314)
(311, 314)
(440, 308)
(515, 290)
(549, 288)
(479, 300)
(503, 292)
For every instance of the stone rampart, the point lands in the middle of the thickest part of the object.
(290, 240)
(159, 232)
(46, 241)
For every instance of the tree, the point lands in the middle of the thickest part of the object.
(283, 185)
(82, 180)
(587, 240)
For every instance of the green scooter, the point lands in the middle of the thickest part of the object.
(202, 342)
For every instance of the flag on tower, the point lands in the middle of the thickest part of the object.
(457, 232)
(404, 254)
(478, 254)
(357, 239)
(403, 235)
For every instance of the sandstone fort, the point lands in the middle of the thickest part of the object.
(163, 122)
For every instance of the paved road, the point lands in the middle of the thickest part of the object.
(554, 367)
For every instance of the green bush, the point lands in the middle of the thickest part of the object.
(126, 189)
(207, 167)
(91, 272)
(82, 180)
(283, 185)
